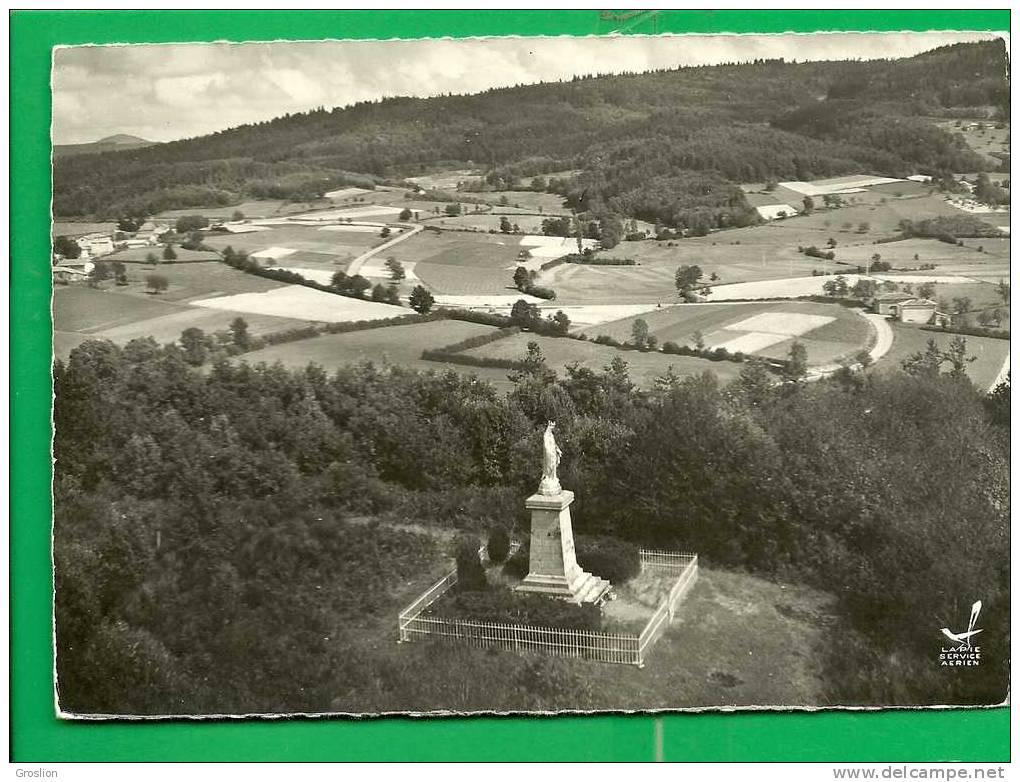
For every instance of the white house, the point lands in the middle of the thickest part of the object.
(96, 244)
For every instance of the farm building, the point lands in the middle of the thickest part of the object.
(776, 211)
(271, 255)
(915, 310)
(72, 271)
(94, 244)
(885, 303)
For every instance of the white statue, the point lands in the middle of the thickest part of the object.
(550, 461)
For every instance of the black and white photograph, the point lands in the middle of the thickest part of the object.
(531, 375)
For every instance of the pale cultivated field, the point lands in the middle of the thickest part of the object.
(297, 301)
(353, 213)
(346, 192)
(813, 286)
(768, 328)
(495, 302)
(549, 247)
(321, 276)
(837, 185)
(828, 331)
(358, 228)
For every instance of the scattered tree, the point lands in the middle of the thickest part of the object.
(169, 254)
(639, 332)
(239, 333)
(522, 279)
(195, 345)
(396, 269)
(189, 223)
(157, 283)
(421, 300)
(796, 365)
(66, 247)
(686, 278)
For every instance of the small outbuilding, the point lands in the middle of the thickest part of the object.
(885, 303)
(915, 311)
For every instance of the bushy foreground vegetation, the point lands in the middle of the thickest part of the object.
(202, 563)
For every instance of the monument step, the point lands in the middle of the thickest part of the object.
(594, 590)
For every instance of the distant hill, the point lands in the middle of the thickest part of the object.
(113, 143)
(664, 146)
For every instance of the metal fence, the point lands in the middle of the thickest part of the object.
(686, 566)
(621, 648)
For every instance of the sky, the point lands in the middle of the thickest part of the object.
(163, 92)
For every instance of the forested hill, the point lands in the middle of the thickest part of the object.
(638, 138)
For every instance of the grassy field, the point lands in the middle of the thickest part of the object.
(321, 248)
(845, 334)
(71, 228)
(194, 281)
(644, 367)
(485, 222)
(80, 308)
(141, 255)
(81, 313)
(528, 200)
(451, 248)
(908, 340)
(401, 345)
(580, 284)
(266, 208)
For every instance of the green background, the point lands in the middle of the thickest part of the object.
(37, 736)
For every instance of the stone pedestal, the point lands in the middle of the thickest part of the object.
(553, 568)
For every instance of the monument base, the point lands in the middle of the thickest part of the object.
(584, 589)
(552, 569)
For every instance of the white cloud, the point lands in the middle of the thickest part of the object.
(169, 91)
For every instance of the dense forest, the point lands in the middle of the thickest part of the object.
(206, 561)
(664, 145)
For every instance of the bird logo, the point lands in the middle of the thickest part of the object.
(964, 639)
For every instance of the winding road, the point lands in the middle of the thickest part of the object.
(357, 263)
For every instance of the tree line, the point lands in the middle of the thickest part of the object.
(203, 560)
